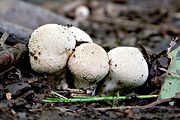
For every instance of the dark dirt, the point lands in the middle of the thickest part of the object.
(153, 23)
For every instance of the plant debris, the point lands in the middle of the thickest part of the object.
(110, 24)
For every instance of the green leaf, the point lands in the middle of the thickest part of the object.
(171, 84)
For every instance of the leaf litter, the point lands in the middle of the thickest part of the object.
(26, 101)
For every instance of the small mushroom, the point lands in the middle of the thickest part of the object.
(128, 69)
(80, 35)
(82, 13)
(89, 65)
(49, 47)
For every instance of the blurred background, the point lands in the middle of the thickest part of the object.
(110, 23)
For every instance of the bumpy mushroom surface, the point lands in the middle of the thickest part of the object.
(89, 65)
(128, 69)
(80, 35)
(50, 46)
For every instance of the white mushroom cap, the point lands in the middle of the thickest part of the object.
(80, 35)
(82, 13)
(88, 64)
(50, 46)
(128, 69)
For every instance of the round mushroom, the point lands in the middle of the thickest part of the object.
(89, 65)
(82, 13)
(128, 69)
(80, 35)
(49, 47)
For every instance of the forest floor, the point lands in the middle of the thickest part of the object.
(111, 23)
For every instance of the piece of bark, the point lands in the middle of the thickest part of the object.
(29, 15)
(17, 34)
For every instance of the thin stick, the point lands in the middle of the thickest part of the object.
(118, 108)
(3, 38)
(55, 93)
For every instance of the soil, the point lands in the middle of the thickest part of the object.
(153, 23)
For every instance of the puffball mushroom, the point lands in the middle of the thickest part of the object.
(128, 69)
(50, 46)
(82, 13)
(80, 35)
(88, 64)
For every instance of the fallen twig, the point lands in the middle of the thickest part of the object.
(17, 34)
(118, 108)
(161, 101)
(3, 38)
(33, 15)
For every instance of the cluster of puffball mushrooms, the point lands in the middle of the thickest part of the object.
(53, 47)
